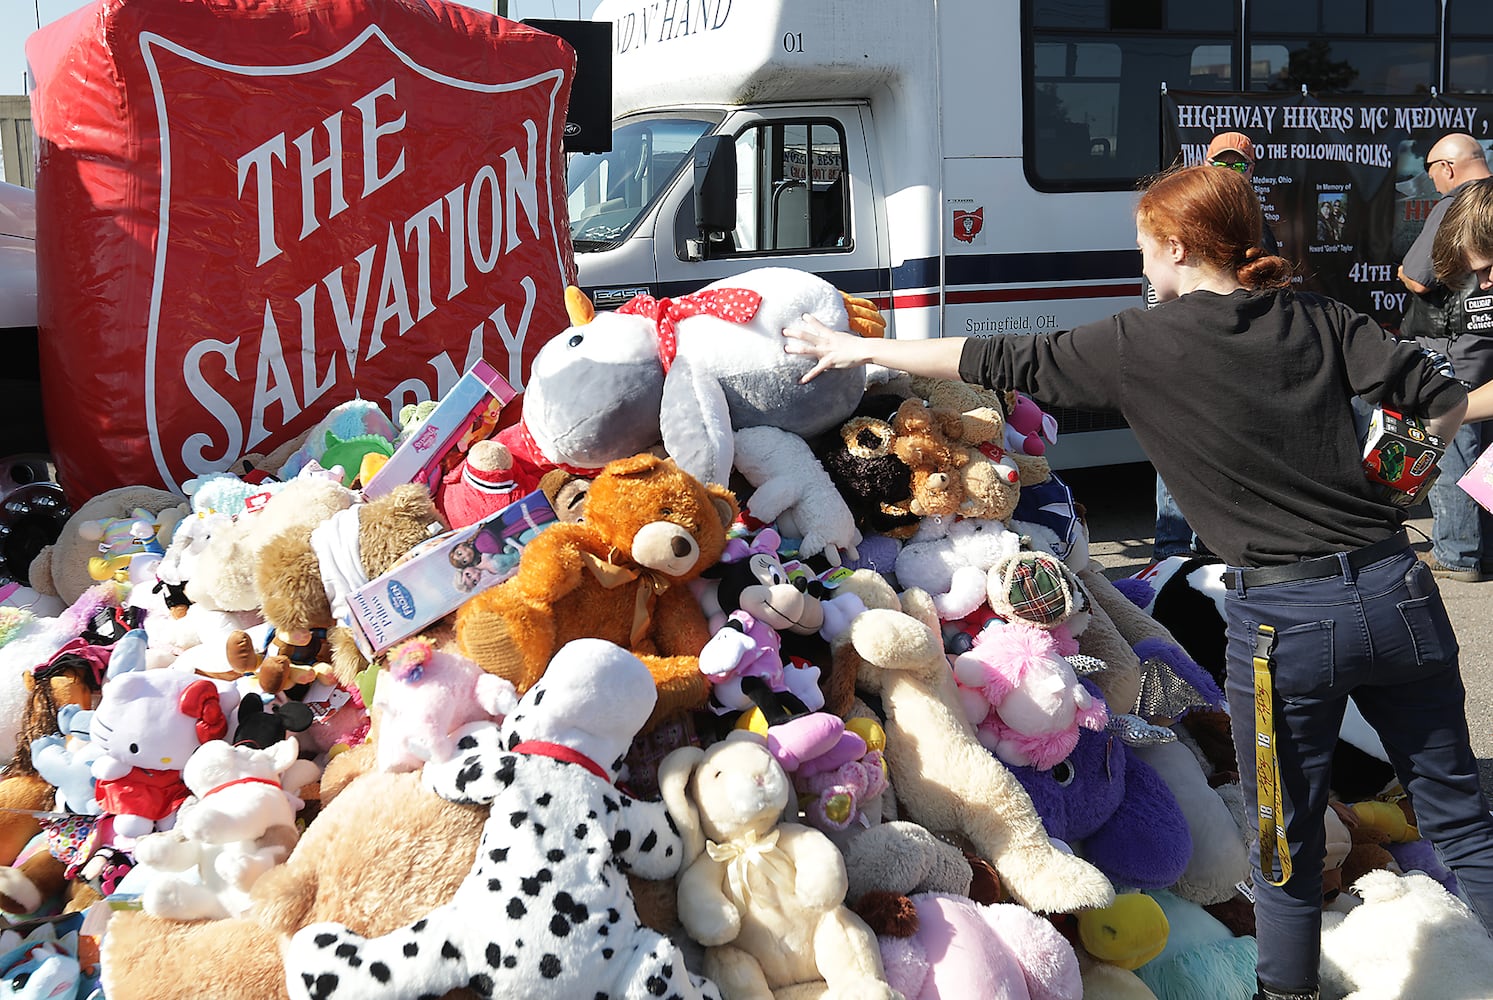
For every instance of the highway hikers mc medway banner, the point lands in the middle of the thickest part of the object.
(1341, 177)
(251, 211)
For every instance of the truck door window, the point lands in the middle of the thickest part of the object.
(791, 194)
(608, 192)
(1469, 46)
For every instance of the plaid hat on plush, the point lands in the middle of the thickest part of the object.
(1036, 587)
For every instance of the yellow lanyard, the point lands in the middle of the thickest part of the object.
(1273, 841)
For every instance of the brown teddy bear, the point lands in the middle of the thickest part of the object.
(950, 474)
(619, 575)
(297, 566)
(984, 411)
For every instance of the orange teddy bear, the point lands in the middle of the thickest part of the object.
(620, 574)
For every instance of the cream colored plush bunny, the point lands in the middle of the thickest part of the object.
(766, 898)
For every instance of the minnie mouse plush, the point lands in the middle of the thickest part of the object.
(771, 621)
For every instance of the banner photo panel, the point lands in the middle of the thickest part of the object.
(251, 211)
(1341, 178)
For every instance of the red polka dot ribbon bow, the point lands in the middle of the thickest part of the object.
(736, 305)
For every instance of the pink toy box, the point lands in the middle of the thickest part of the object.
(1478, 480)
(468, 413)
(439, 575)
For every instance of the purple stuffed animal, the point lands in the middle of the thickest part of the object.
(1114, 810)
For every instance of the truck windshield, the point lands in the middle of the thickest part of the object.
(609, 192)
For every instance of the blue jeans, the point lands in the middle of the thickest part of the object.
(1174, 535)
(1458, 524)
(1380, 636)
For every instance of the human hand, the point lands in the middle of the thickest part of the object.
(828, 347)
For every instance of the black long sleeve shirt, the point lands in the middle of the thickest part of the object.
(1243, 403)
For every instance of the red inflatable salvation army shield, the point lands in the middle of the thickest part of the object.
(250, 211)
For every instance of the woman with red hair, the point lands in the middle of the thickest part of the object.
(1240, 390)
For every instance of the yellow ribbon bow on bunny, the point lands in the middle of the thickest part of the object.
(747, 852)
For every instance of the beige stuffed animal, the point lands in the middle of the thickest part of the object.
(61, 569)
(422, 841)
(947, 780)
(224, 576)
(765, 898)
(984, 418)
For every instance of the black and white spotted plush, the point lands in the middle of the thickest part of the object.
(546, 911)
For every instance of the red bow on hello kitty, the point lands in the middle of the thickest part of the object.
(735, 305)
(200, 701)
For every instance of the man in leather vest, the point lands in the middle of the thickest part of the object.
(1434, 316)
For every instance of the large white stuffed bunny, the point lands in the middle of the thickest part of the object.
(686, 372)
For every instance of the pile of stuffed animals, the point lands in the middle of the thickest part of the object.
(812, 690)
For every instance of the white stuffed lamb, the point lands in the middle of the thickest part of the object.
(952, 559)
(238, 825)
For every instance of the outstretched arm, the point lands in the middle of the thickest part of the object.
(1411, 283)
(1445, 426)
(936, 358)
(1479, 404)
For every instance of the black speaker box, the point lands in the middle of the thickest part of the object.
(588, 122)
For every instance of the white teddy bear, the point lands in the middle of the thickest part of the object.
(1409, 938)
(766, 898)
(951, 561)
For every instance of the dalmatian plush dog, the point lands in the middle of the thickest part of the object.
(546, 911)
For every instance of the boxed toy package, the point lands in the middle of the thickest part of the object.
(1478, 481)
(439, 575)
(468, 413)
(1400, 455)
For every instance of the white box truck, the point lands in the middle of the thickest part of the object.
(876, 143)
(970, 165)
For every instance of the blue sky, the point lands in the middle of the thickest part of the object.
(19, 18)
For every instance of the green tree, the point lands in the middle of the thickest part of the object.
(1314, 67)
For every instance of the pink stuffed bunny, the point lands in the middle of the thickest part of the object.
(1023, 697)
(1026, 427)
(425, 696)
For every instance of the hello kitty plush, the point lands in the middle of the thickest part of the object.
(147, 724)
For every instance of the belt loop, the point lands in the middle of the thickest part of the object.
(1350, 575)
(1238, 575)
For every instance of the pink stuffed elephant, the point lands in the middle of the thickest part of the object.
(425, 696)
(1027, 425)
(964, 949)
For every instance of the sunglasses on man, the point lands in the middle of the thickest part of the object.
(1239, 165)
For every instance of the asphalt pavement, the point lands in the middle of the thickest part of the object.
(1121, 512)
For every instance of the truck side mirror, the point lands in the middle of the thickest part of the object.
(715, 188)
